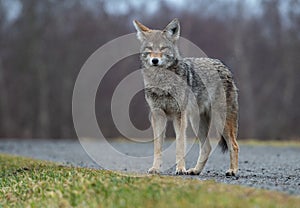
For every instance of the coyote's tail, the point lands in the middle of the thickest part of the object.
(223, 144)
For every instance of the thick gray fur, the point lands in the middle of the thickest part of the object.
(187, 90)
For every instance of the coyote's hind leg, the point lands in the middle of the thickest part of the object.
(230, 135)
(201, 130)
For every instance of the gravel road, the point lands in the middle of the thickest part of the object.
(273, 168)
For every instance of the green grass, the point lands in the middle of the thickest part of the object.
(32, 183)
(274, 143)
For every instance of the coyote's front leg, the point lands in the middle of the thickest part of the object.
(180, 125)
(158, 122)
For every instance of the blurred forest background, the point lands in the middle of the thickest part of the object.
(44, 43)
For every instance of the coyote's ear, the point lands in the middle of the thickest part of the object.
(172, 30)
(141, 30)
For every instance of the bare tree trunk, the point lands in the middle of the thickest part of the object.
(246, 87)
(243, 68)
(5, 118)
(43, 117)
(43, 96)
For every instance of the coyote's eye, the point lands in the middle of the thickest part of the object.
(164, 48)
(145, 54)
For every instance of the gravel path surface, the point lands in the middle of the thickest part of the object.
(274, 168)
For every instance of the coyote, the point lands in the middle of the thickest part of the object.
(183, 90)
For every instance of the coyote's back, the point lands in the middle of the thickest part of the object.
(186, 89)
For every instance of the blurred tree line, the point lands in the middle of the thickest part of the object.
(44, 43)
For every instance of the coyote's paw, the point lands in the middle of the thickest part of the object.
(153, 170)
(180, 171)
(231, 172)
(193, 171)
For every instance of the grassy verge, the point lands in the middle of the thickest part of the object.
(274, 143)
(31, 183)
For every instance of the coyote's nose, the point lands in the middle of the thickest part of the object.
(155, 61)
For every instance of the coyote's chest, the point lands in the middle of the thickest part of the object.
(160, 99)
(165, 90)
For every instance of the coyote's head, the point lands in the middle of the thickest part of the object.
(159, 47)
